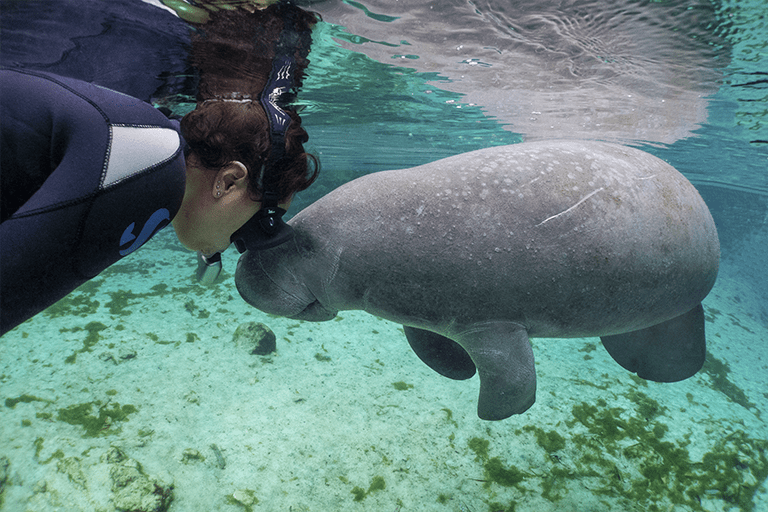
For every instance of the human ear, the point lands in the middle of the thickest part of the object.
(231, 177)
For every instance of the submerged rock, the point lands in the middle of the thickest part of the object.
(73, 468)
(135, 491)
(256, 337)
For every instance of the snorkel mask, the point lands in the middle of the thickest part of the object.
(266, 228)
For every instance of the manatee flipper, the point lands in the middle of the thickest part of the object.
(442, 354)
(667, 352)
(504, 359)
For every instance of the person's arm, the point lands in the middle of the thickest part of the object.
(108, 174)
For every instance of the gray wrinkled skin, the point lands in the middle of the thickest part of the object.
(488, 248)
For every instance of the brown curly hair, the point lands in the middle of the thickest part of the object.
(233, 54)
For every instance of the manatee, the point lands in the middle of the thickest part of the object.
(476, 253)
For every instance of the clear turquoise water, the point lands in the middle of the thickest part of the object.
(321, 424)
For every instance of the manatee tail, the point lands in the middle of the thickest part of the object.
(442, 354)
(667, 352)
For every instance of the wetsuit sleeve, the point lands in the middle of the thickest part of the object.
(88, 176)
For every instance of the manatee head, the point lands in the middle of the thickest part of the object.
(273, 281)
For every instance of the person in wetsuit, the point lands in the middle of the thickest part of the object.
(88, 175)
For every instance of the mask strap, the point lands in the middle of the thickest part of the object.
(267, 228)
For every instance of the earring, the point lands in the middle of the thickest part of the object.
(218, 188)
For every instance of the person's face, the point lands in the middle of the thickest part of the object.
(215, 205)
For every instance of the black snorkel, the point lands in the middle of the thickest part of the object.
(267, 228)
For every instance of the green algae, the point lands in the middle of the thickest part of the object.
(99, 424)
(359, 493)
(81, 303)
(497, 472)
(625, 454)
(377, 484)
(121, 300)
(26, 399)
(480, 447)
(91, 339)
(710, 314)
(402, 386)
(718, 371)
(449, 417)
(647, 407)
(495, 469)
(38, 446)
(73, 305)
(78, 303)
(498, 507)
(662, 471)
(551, 441)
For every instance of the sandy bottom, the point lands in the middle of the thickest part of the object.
(130, 394)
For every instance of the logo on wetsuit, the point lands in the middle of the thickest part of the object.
(155, 222)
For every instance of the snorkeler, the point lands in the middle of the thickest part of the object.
(89, 174)
(249, 66)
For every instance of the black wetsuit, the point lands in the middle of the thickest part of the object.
(87, 175)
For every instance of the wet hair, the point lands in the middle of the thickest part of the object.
(233, 55)
(222, 132)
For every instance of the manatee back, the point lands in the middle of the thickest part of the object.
(568, 238)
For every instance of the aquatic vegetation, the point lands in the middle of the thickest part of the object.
(718, 371)
(589, 347)
(377, 484)
(551, 441)
(449, 418)
(498, 507)
(75, 304)
(96, 425)
(190, 455)
(495, 470)
(402, 386)
(81, 302)
(26, 399)
(93, 337)
(710, 314)
(624, 454)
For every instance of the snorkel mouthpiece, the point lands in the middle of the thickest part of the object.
(208, 268)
